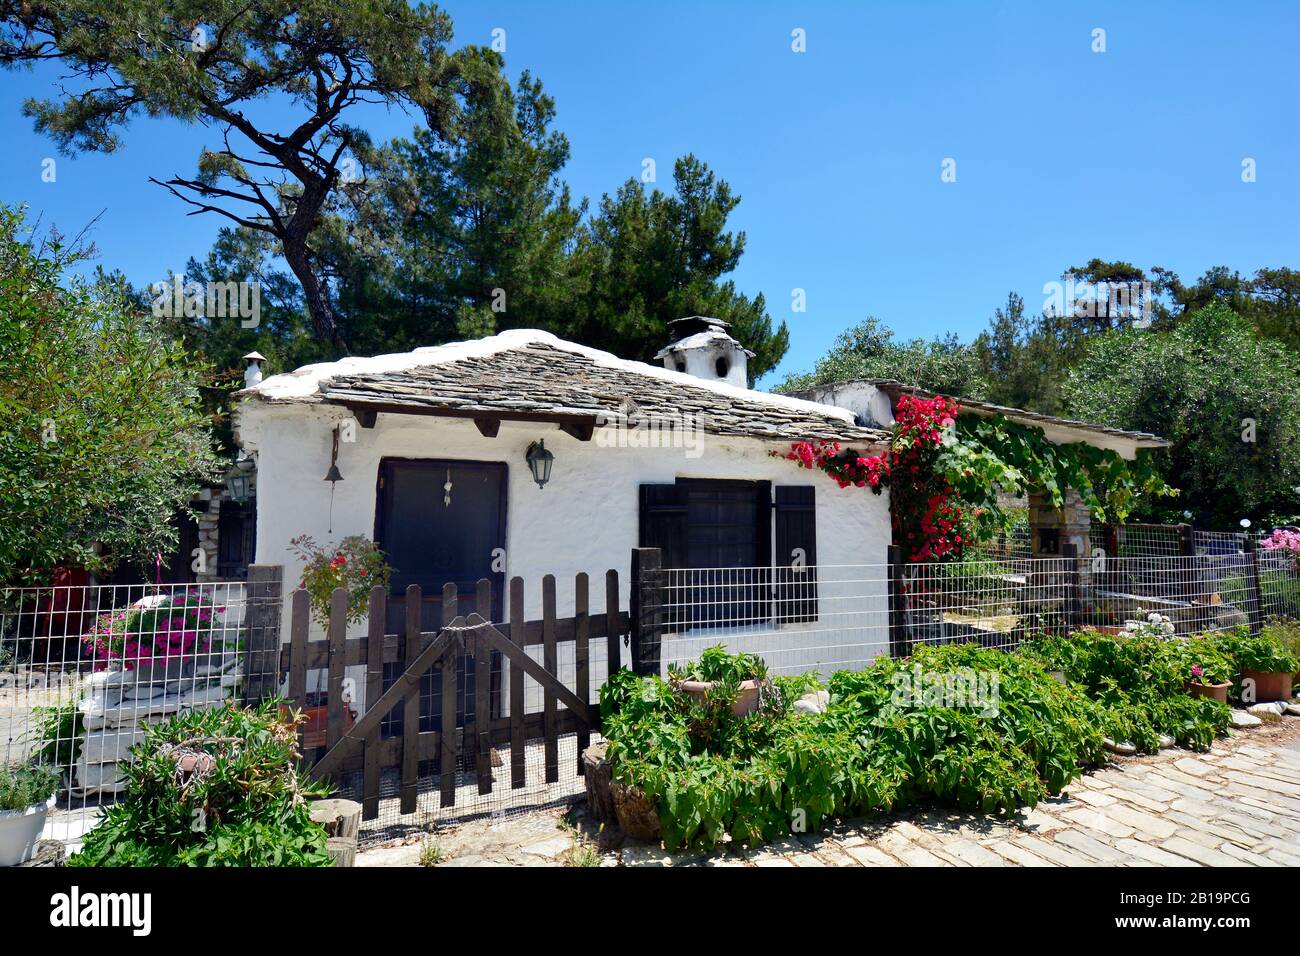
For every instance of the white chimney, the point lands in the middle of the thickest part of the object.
(253, 373)
(704, 348)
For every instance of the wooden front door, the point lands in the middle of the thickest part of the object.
(431, 536)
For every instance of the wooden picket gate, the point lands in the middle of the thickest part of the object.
(464, 631)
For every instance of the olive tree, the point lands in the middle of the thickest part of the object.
(101, 434)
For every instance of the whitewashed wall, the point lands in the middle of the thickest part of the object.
(585, 519)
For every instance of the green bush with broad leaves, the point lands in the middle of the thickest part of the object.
(1267, 652)
(213, 787)
(1140, 684)
(1014, 736)
(958, 725)
(26, 785)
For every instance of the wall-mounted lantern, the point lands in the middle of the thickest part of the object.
(239, 483)
(539, 462)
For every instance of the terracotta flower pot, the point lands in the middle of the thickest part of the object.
(1217, 692)
(1268, 686)
(746, 701)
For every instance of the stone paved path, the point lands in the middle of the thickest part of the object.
(1236, 805)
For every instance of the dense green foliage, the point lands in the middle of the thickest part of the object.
(59, 733)
(1286, 633)
(1201, 385)
(957, 725)
(102, 438)
(1266, 653)
(1139, 684)
(242, 803)
(24, 785)
(991, 456)
(1014, 738)
(869, 350)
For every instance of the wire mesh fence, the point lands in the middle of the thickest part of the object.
(84, 669)
(824, 618)
(817, 618)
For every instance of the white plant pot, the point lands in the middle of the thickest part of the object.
(20, 831)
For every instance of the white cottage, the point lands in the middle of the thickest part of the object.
(524, 455)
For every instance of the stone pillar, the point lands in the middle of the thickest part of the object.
(1054, 534)
(1049, 528)
(208, 522)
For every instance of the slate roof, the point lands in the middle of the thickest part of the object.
(895, 388)
(538, 375)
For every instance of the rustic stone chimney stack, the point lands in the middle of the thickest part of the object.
(703, 347)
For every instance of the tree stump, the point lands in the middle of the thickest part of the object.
(342, 850)
(597, 775)
(342, 822)
(637, 817)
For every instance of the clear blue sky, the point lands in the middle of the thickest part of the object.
(1062, 153)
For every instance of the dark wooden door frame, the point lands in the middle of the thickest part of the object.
(431, 595)
(381, 496)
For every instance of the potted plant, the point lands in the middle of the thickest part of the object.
(156, 639)
(1210, 673)
(26, 797)
(356, 565)
(1264, 664)
(717, 675)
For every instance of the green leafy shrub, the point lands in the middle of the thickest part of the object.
(1140, 684)
(59, 733)
(1267, 653)
(1286, 632)
(239, 803)
(23, 785)
(878, 745)
(715, 664)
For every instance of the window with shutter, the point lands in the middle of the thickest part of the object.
(794, 566)
(717, 534)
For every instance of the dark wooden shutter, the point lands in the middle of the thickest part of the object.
(796, 531)
(663, 522)
(663, 526)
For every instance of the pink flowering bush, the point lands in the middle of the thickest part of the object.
(178, 626)
(1284, 539)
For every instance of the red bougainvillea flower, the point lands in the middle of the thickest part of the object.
(925, 516)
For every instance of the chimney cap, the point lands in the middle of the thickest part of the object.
(696, 323)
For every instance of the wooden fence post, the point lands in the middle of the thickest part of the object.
(646, 613)
(1254, 597)
(262, 664)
